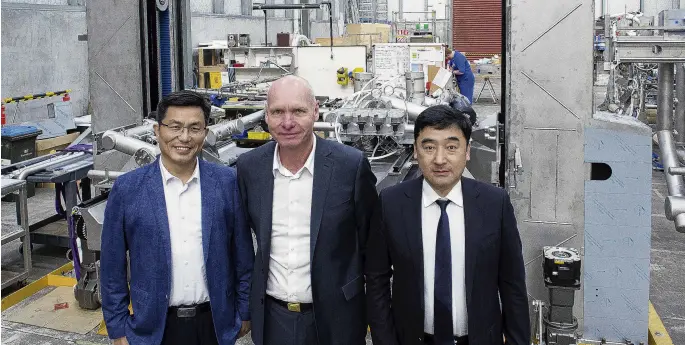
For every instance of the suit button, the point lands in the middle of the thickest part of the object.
(262, 300)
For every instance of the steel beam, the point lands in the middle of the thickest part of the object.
(646, 49)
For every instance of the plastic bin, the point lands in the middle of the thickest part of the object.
(18, 145)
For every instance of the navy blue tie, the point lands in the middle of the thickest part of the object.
(442, 322)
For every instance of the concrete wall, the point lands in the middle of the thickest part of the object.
(207, 27)
(41, 51)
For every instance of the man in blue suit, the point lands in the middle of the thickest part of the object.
(190, 249)
(462, 70)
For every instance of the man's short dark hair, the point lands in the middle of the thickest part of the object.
(442, 117)
(184, 98)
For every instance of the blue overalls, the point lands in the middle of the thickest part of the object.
(467, 80)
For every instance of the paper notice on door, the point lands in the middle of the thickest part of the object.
(441, 78)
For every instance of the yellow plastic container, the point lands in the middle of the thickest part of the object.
(258, 135)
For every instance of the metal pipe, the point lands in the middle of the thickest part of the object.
(224, 130)
(680, 107)
(673, 182)
(112, 140)
(676, 170)
(413, 110)
(664, 120)
(146, 127)
(675, 211)
(324, 126)
(669, 160)
(416, 87)
(680, 153)
(24, 173)
(253, 119)
(104, 174)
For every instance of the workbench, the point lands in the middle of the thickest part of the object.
(51, 231)
(19, 187)
(54, 230)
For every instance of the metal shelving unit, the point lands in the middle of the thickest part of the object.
(19, 187)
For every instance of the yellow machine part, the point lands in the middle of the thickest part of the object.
(343, 78)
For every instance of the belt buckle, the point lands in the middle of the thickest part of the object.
(186, 312)
(294, 307)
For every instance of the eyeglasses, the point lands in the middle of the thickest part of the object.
(193, 130)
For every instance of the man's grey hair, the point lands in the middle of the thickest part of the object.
(293, 79)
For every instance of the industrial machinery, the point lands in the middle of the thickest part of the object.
(563, 165)
(561, 271)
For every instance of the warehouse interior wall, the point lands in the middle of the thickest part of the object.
(41, 50)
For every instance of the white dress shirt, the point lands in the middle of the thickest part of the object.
(184, 211)
(430, 218)
(289, 268)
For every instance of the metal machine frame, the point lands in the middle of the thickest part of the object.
(19, 187)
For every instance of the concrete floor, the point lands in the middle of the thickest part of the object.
(667, 286)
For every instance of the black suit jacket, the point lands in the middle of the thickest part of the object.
(494, 267)
(343, 196)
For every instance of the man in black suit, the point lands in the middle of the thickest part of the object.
(309, 202)
(451, 244)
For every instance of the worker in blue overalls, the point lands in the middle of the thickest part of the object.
(462, 70)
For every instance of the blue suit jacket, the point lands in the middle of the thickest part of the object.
(136, 220)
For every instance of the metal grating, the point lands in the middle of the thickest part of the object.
(368, 13)
(477, 27)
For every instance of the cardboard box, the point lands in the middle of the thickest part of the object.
(47, 146)
(52, 145)
(360, 35)
(443, 77)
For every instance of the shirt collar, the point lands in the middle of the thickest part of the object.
(167, 176)
(430, 196)
(308, 164)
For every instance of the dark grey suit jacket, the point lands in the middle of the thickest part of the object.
(343, 196)
(493, 262)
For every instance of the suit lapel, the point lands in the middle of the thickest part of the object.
(323, 167)
(412, 210)
(266, 183)
(208, 190)
(472, 226)
(155, 192)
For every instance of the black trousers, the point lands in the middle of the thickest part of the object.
(284, 327)
(429, 340)
(196, 330)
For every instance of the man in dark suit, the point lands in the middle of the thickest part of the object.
(309, 202)
(182, 224)
(451, 246)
